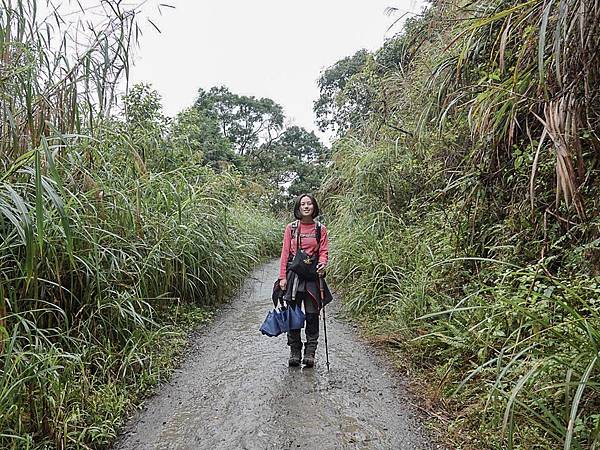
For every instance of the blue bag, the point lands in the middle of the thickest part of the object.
(270, 326)
(296, 317)
(283, 319)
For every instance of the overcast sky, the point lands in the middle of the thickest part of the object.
(265, 48)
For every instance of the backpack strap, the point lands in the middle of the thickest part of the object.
(296, 233)
(295, 230)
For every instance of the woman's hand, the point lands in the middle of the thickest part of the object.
(283, 284)
(321, 269)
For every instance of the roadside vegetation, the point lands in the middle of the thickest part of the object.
(462, 198)
(464, 210)
(120, 228)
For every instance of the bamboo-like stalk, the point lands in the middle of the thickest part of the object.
(41, 85)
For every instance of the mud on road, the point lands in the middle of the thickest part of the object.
(235, 390)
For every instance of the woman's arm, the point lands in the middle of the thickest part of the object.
(285, 251)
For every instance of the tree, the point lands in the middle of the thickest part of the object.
(309, 179)
(302, 144)
(142, 107)
(245, 121)
(197, 135)
(224, 125)
(145, 121)
(295, 160)
(343, 102)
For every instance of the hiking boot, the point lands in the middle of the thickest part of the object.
(295, 356)
(309, 358)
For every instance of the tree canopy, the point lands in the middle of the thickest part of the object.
(224, 130)
(246, 121)
(342, 101)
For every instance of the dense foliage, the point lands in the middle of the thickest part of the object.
(283, 161)
(117, 232)
(463, 200)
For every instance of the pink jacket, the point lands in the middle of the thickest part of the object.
(308, 239)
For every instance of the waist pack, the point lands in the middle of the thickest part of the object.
(302, 264)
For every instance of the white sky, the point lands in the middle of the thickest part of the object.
(265, 48)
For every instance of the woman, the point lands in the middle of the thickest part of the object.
(299, 291)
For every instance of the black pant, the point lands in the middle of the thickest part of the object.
(312, 335)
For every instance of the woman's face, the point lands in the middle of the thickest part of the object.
(306, 207)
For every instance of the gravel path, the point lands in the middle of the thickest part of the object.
(235, 390)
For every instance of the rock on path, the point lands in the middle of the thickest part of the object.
(235, 390)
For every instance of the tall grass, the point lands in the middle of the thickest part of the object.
(514, 349)
(77, 318)
(464, 216)
(99, 256)
(522, 72)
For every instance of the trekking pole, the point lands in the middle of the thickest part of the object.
(324, 322)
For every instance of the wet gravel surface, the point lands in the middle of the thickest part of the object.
(235, 390)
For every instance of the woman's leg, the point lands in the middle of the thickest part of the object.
(312, 338)
(295, 343)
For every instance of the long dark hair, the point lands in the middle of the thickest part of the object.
(297, 214)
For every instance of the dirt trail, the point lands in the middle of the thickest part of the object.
(235, 391)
